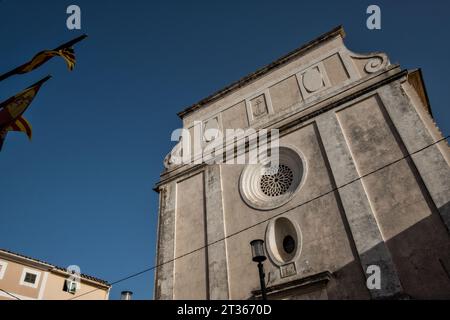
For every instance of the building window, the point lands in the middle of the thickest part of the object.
(30, 278)
(3, 265)
(276, 181)
(283, 241)
(289, 244)
(70, 286)
(264, 186)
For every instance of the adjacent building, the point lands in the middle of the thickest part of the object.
(25, 278)
(362, 188)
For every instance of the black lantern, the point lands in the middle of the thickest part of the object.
(259, 256)
(258, 250)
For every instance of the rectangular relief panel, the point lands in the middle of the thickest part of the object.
(235, 117)
(335, 70)
(285, 94)
(190, 275)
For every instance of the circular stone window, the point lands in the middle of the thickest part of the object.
(267, 187)
(277, 181)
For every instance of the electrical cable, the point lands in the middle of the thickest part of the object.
(268, 219)
(10, 294)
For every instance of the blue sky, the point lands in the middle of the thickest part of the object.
(81, 191)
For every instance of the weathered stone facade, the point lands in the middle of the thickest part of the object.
(361, 200)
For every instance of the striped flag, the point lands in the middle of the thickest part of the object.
(2, 138)
(21, 125)
(64, 51)
(11, 111)
(68, 54)
(14, 107)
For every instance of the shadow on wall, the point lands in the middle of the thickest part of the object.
(421, 255)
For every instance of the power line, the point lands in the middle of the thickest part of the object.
(10, 294)
(268, 219)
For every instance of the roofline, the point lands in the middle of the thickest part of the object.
(84, 277)
(426, 98)
(339, 30)
(52, 267)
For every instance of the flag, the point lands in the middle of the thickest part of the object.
(2, 138)
(68, 54)
(14, 107)
(64, 51)
(20, 125)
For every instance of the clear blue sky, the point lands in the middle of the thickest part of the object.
(81, 191)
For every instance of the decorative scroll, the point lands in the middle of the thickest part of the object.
(375, 62)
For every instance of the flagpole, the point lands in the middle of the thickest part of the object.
(65, 45)
(40, 82)
(71, 42)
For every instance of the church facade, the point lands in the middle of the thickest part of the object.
(361, 190)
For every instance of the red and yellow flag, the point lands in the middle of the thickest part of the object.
(21, 125)
(67, 54)
(11, 111)
(64, 51)
(14, 107)
(2, 138)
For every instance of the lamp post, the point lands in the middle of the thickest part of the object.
(259, 256)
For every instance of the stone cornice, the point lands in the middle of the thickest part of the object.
(286, 123)
(338, 31)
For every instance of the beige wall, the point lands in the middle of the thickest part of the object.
(55, 283)
(190, 271)
(49, 286)
(12, 277)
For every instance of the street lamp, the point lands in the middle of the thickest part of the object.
(259, 256)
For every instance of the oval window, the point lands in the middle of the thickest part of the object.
(283, 240)
(289, 244)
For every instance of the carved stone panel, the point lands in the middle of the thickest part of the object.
(313, 80)
(235, 117)
(368, 64)
(210, 129)
(285, 94)
(259, 106)
(288, 270)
